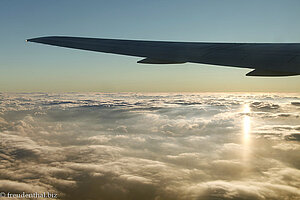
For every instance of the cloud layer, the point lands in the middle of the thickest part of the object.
(151, 146)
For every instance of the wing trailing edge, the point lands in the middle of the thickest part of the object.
(259, 72)
(155, 61)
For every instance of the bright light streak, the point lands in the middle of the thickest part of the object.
(247, 127)
(246, 131)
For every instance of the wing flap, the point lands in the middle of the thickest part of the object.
(261, 72)
(155, 61)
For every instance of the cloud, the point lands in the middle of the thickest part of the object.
(295, 103)
(264, 106)
(17, 187)
(242, 190)
(293, 137)
(150, 146)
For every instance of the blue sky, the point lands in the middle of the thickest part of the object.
(27, 67)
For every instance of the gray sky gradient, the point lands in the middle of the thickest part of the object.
(32, 67)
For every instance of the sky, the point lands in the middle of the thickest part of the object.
(28, 67)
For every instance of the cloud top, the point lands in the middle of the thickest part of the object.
(151, 146)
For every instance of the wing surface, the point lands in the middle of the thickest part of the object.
(268, 59)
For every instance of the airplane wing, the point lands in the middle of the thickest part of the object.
(267, 59)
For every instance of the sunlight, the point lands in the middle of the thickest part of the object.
(247, 108)
(246, 131)
(247, 127)
(247, 122)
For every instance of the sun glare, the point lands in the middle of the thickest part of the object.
(247, 122)
(247, 127)
(247, 108)
(246, 131)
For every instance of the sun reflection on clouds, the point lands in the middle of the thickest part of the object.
(247, 108)
(247, 122)
(246, 133)
(247, 127)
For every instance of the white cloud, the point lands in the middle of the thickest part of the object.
(164, 146)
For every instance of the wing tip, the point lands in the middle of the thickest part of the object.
(32, 39)
(39, 39)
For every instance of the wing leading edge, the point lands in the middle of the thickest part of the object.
(267, 59)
